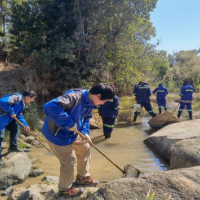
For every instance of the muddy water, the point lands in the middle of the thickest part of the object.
(124, 147)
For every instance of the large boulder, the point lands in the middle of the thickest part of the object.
(162, 140)
(185, 153)
(181, 184)
(47, 192)
(163, 119)
(15, 170)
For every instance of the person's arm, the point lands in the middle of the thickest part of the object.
(22, 120)
(85, 128)
(154, 92)
(7, 102)
(149, 91)
(182, 91)
(116, 103)
(135, 90)
(55, 109)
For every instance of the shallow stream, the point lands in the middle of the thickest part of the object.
(124, 147)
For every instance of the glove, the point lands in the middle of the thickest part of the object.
(87, 138)
(74, 128)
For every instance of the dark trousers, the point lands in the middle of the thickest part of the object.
(188, 105)
(14, 132)
(147, 106)
(108, 124)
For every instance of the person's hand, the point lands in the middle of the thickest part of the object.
(13, 116)
(87, 138)
(74, 128)
(27, 129)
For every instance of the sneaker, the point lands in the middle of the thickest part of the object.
(86, 181)
(72, 192)
(1, 162)
(15, 149)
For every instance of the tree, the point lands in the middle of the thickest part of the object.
(69, 42)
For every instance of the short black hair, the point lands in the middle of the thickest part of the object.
(29, 93)
(160, 84)
(140, 82)
(106, 91)
(186, 82)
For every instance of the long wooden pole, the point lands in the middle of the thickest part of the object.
(84, 137)
(34, 136)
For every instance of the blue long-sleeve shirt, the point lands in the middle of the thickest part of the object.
(187, 93)
(109, 108)
(142, 93)
(62, 112)
(161, 92)
(9, 105)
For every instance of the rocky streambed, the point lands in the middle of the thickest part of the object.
(178, 143)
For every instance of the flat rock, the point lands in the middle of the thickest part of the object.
(29, 139)
(51, 179)
(183, 184)
(185, 153)
(47, 192)
(162, 140)
(36, 172)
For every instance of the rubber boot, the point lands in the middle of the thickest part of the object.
(190, 115)
(160, 110)
(179, 114)
(135, 116)
(152, 114)
(107, 135)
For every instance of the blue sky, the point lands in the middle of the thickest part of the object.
(177, 24)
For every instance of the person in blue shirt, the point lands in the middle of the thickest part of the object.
(64, 115)
(134, 91)
(142, 93)
(186, 98)
(11, 107)
(161, 93)
(109, 111)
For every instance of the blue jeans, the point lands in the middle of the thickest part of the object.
(14, 132)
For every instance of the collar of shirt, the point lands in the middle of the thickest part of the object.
(86, 100)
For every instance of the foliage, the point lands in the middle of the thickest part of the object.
(32, 114)
(186, 66)
(81, 42)
(5, 15)
(22, 145)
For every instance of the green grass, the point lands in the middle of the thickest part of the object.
(21, 145)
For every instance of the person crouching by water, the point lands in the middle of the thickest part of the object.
(11, 107)
(161, 93)
(142, 93)
(108, 112)
(64, 115)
